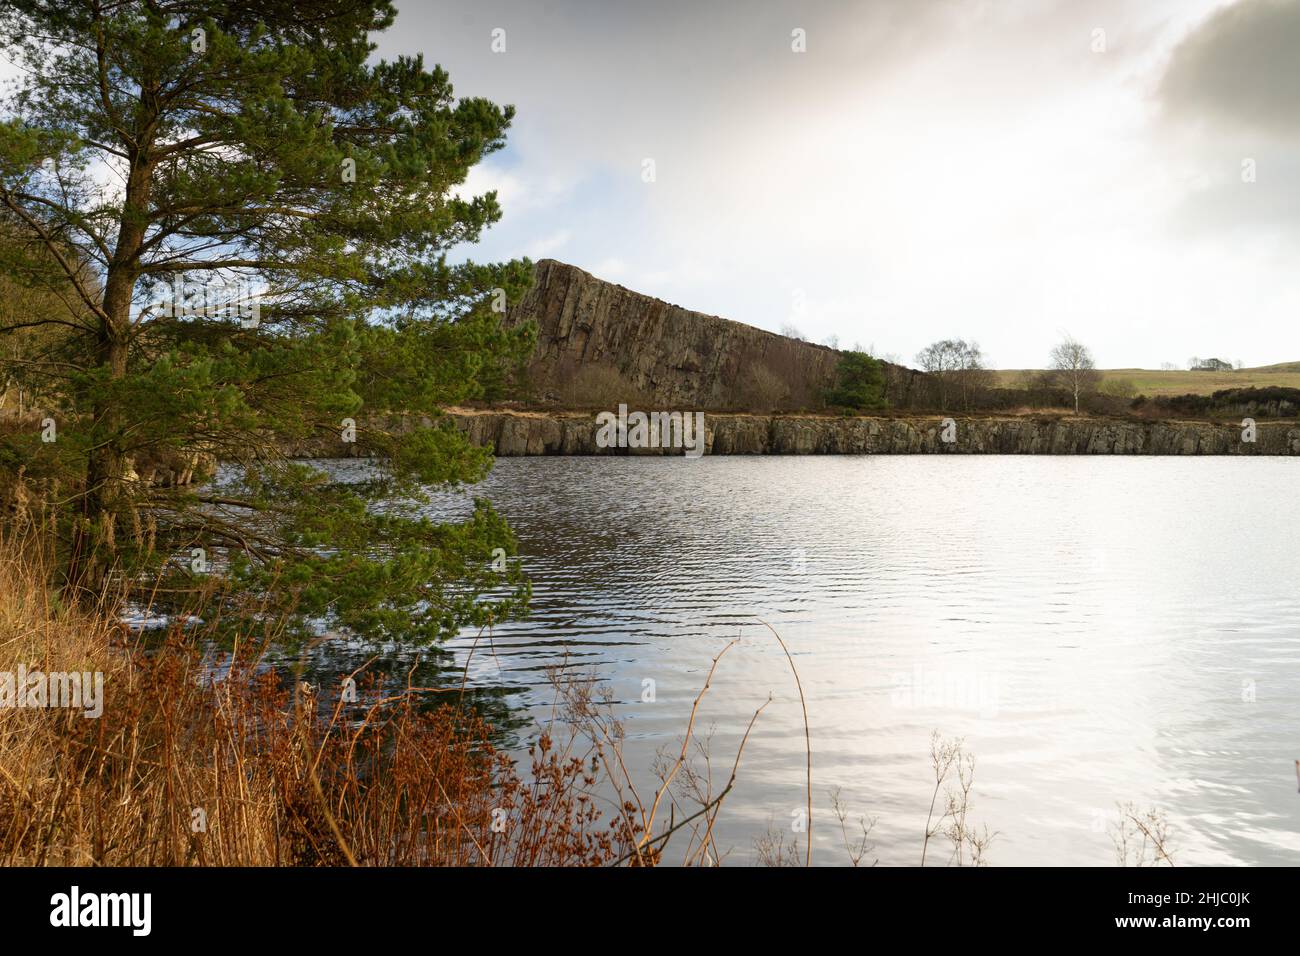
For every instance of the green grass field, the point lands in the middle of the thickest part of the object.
(1153, 382)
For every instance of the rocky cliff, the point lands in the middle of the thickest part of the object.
(535, 433)
(599, 343)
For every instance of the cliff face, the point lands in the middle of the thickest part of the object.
(532, 433)
(599, 343)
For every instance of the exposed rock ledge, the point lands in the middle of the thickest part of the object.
(674, 357)
(513, 433)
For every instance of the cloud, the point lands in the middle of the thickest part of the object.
(549, 246)
(1231, 112)
(1240, 70)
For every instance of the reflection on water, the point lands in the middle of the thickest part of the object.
(1100, 630)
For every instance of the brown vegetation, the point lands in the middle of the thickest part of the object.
(223, 761)
(601, 387)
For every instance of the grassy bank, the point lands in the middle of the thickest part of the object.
(195, 761)
(1156, 382)
(220, 760)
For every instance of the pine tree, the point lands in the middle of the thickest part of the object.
(248, 222)
(859, 383)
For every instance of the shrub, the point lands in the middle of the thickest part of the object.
(762, 390)
(860, 383)
(601, 386)
(1268, 402)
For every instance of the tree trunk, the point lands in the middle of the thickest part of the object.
(95, 538)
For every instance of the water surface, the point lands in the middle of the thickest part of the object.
(1099, 630)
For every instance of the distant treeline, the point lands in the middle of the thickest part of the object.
(1273, 401)
(911, 390)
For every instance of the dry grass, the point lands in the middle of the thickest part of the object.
(1141, 836)
(196, 761)
(208, 761)
(1155, 382)
(196, 764)
(951, 761)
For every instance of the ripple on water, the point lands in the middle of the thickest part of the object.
(1099, 630)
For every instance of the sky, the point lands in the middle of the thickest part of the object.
(1008, 172)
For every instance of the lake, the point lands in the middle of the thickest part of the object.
(1100, 630)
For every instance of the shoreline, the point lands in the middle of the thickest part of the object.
(526, 432)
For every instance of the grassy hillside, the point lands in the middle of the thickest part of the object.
(1153, 382)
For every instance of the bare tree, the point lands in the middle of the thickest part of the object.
(939, 361)
(972, 373)
(954, 364)
(1075, 368)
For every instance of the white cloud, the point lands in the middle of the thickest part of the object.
(549, 246)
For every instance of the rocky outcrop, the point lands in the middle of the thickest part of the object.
(168, 468)
(658, 353)
(534, 433)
